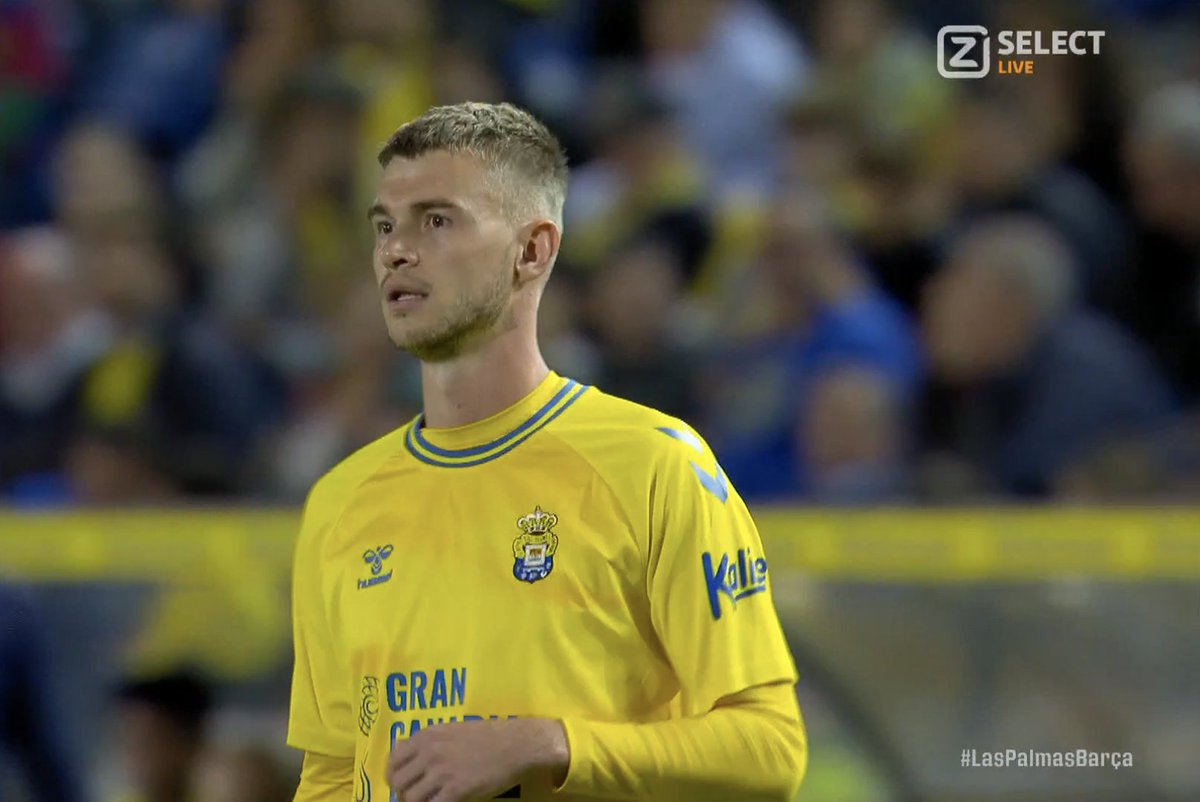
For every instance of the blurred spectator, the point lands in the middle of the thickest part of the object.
(313, 147)
(246, 774)
(892, 199)
(1035, 384)
(872, 134)
(567, 349)
(385, 50)
(30, 726)
(1129, 470)
(642, 179)
(632, 301)
(1163, 298)
(103, 177)
(904, 214)
(1074, 106)
(218, 155)
(851, 436)
(728, 68)
(275, 39)
(541, 48)
(1005, 165)
(274, 185)
(50, 337)
(281, 229)
(358, 392)
(488, 26)
(463, 74)
(246, 250)
(873, 69)
(161, 721)
(172, 397)
(1180, 444)
(822, 146)
(117, 466)
(816, 310)
(33, 74)
(158, 75)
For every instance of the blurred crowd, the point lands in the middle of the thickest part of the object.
(862, 282)
(169, 752)
(163, 740)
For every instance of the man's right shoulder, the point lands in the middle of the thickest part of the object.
(336, 487)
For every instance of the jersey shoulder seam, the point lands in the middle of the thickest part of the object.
(596, 469)
(344, 504)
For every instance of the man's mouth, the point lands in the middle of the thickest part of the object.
(403, 295)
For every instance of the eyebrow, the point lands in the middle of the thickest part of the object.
(378, 210)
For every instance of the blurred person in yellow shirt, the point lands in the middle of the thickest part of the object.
(384, 48)
(534, 589)
(642, 177)
(174, 403)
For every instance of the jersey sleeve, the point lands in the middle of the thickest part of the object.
(320, 718)
(709, 580)
(325, 779)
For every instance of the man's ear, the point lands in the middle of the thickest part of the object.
(539, 249)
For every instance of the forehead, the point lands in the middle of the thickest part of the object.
(460, 177)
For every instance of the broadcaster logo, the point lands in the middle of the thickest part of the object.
(965, 51)
(968, 51)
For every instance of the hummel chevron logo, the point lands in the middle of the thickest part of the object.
(714, 483)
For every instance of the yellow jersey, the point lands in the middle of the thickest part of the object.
(574, 555)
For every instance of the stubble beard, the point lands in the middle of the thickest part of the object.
(470, 320)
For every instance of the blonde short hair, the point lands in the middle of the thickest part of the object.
(528, 157)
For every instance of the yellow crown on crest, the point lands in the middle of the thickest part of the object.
(537, 522)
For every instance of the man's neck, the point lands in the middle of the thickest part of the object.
(483, 382)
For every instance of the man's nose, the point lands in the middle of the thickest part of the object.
(397, 255)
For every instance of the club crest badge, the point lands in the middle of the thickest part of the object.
(533, 550)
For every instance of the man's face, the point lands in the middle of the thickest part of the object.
(797, 244)
(1166, 188)
(445, 254)
(32, 307)
(973, 322)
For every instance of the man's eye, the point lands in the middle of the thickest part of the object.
(383, 227)
(436, 221)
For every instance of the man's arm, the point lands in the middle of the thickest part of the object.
(320, 719)
(751, 746)
(326, 779)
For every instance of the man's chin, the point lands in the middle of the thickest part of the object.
(424, 348)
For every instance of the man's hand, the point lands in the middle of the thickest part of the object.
(476, 759)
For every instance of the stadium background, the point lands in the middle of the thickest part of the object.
(944, 336)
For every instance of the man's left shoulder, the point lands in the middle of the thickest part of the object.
(609, 424)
